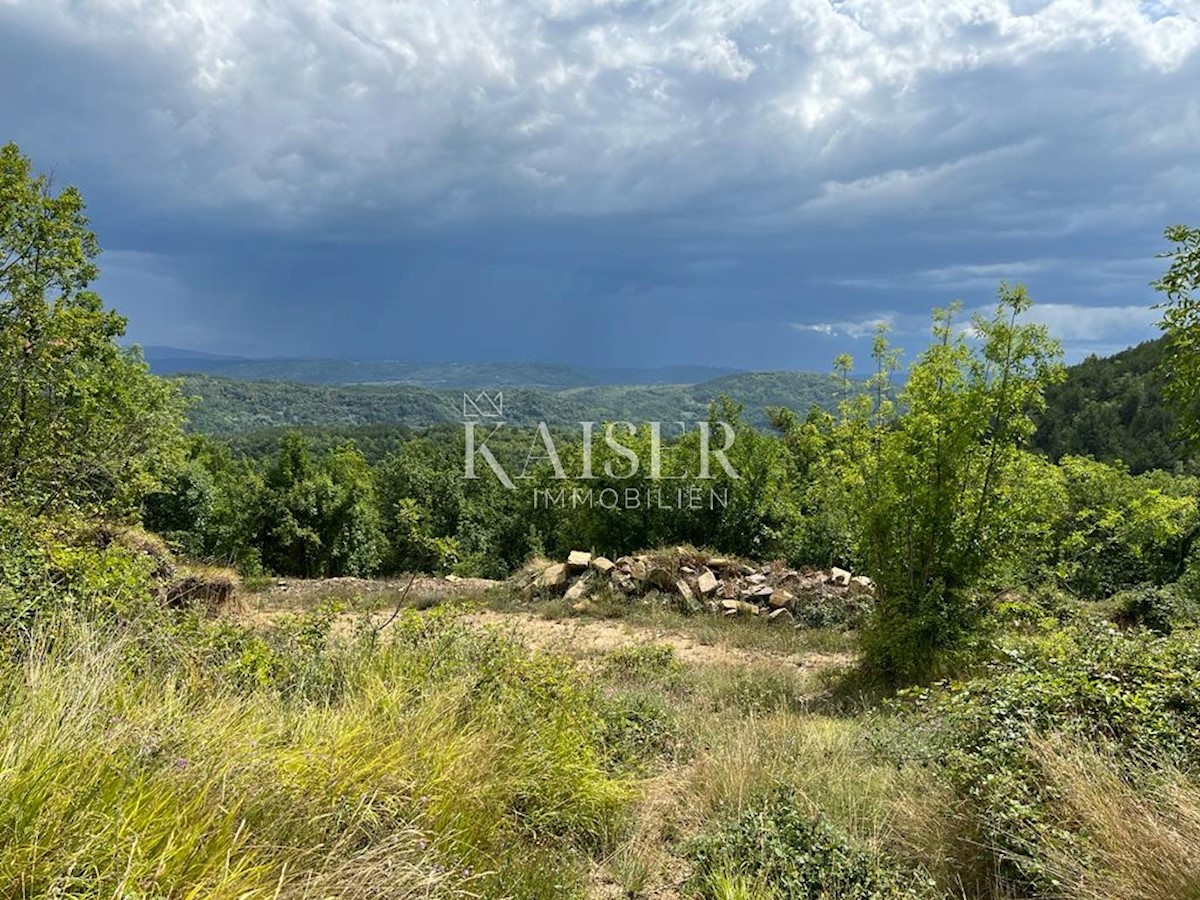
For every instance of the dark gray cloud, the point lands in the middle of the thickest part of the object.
(626, 182)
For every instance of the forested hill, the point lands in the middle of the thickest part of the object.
(226, 406)
(451, 376)
(1112, 408)
(1109, 408)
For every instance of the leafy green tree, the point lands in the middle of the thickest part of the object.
(82, 421)
(319, 519)
(1117, 530)
(1181, 322)
(943, 497)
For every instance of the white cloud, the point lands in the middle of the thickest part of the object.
(1068, 322)
(804, 109)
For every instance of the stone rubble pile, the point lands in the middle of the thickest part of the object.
(694, 581)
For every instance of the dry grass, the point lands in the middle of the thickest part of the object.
(1142, 827)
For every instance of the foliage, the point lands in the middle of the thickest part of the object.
(1117, 530)
(1113, 410)
(944, 498)
(785, 854)
(82, 422)
(1181, 322)
(228, 407)
(1133, 695)
(48, 569)
(318, 519)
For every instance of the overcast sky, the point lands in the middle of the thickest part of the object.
(746, 183)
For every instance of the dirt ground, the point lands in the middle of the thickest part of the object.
(581, 638)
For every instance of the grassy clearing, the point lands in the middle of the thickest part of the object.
(743, 633)
(297, 759)
(453, 764)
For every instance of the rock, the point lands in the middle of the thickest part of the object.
(637, 569)
(687, 570)
(578, 559)
(737, 607)
(720, 562)
(684, 590)
(660, 578)
(781, 599)
(707, 583)
(453, 579)
(862, 584)
(758, 593)
(756, 578)
(729, 590)
(623, 583)
(577, 591)
(780, 617)
(603, 565)
(553, 577)
(839, 576)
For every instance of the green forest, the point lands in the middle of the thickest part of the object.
(220, 681)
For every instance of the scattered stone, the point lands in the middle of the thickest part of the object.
(781, 599)
(553, 577)
(602, 564)
(660, 578)
(839, 576)
(780, 617)
(453, 579)
(809, 597)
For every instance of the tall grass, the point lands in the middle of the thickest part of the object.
(1141, 827)
(450, 764)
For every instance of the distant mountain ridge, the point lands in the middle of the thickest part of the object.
(229, 406)
(171, 361)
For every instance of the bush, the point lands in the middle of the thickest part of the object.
(1158, 609)
(1129, 695)
(775, 848)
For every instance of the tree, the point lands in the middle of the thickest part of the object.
(319, 519)
(82, 421)
(1181, 322)
(943, 497)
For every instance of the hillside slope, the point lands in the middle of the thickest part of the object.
(1112, 408)
(228, 406)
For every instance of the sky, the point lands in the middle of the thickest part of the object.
(745, 183)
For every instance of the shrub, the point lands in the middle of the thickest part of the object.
(1131, 695)
(789, 855)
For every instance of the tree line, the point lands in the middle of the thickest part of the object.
(924, 477)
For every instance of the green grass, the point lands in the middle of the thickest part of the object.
(454, 764)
